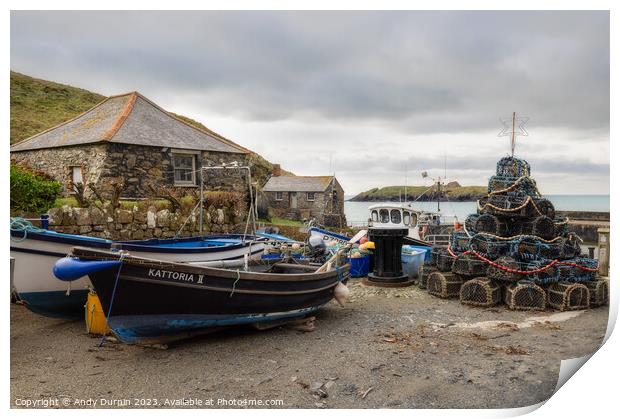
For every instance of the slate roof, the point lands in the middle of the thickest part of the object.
(297, 183)
(129, 119)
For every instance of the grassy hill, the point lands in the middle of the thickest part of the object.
(37, 105)
(452, 191)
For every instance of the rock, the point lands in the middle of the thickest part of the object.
(137, 235)
(85, 229)
(68, 218)
(220, 216)
(82, 216)
(124, 216)
(151, 219)
(55, 216)
(163, 218)
(139, 216)
(125, 234)
(96, 216)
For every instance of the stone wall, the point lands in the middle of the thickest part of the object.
(141, 223)
(58, 162)
(138, 167)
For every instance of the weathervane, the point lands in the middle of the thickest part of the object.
(513, 126)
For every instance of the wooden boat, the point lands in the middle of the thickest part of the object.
(36, 250)
(153, 301)
(35, 253)
(198, 249)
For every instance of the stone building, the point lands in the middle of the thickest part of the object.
(128, 138)
(306, 197)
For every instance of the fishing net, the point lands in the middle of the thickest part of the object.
(469, 265)
(506, 205)
(528, 248)
(488, 246)
(583, 275)
(444, 284)
(542, 272)
(497, 274)
(512, 167)
(599, 292)
(488, 223)
(470, 223)
(524, 295)
(565, 296)
(444, 260)
(569, 247)
(544, 207)
(561, 226)
(481, 292)
(459, 241)
(510, 185)
(423, 272)
(541, 226)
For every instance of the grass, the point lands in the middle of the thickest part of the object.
(283, 222)
(394, 192)
(37, 105)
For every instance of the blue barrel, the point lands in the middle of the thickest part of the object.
(359, 266)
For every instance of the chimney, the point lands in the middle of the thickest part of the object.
(277, 171)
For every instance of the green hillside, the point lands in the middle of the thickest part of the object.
(452, 192)
(37, 105)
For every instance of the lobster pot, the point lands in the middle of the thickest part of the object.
(423, 273)
(512, 167)
(469, 265)
(488, 246)
(541, 226)
(569, 247)
(512, 185)
(583, 275)
(528, 248)
(546, 276)
(481, 292)
(565, 296)
(444, 284)
(560, 226)
(444, 260)
(435, 255)
(525, 295)
(496, 274)
(599, 292)
(488, 223)
(470, 223)
(505, 205)
(459, 241)
(545, 207)
(566, 273)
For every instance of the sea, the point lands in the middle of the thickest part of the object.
(357, 212)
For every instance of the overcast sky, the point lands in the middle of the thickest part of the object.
(370, 96)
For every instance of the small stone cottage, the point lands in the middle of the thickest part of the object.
(128, 138)
(306, 197)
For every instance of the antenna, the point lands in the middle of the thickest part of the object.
(405, 181)
(513, 127)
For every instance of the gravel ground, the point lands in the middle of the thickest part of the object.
(398, 348)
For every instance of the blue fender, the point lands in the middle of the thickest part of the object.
(70, 269)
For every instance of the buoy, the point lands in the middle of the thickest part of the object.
(341, 293)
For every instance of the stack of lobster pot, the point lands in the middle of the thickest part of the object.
(515, 250)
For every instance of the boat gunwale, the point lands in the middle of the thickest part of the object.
(151, 245)
(93, 254)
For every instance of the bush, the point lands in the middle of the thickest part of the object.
(30, 192)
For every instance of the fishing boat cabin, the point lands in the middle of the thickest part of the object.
(305, 198)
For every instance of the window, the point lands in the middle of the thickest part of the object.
(278, 196)
(406, 218)
(384, 215)
(395, 216)
(414, 219)
(310, 196)
(76, 175)
(374, 215)
(184, 169)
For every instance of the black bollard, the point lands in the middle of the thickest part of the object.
(388, 268)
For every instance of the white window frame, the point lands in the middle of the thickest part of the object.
(73, 171)
(279, 196)
(308, 196)
(191, 182)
